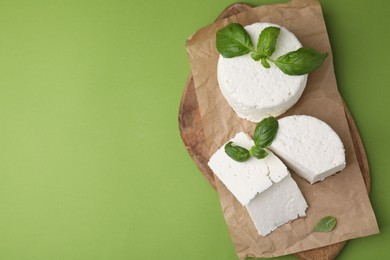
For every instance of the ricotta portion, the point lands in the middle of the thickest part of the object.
(264, 186)
(253, 91)
(276, 206)
(246, 179)
(309, 147)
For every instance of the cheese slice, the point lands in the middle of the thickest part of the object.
(276, 206)
(255, 92)
(309, 147)
(246, 179)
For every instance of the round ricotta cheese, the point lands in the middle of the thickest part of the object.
(255, 92)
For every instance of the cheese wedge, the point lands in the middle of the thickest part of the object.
(309, 147)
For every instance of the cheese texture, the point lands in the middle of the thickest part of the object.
(264, 186)
(309, 147)
(276, 206)
(255, 92)
(246, 179)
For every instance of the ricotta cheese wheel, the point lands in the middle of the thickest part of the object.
(253, 91)
(309, 147)
(246, 179)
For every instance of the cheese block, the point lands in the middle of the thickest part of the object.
(255, 92)
(309, 147)
(276, 206)
(246, 179)
(264, 186)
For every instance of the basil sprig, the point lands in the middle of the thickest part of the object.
(233, 40)
(326, 224)
(265, 133)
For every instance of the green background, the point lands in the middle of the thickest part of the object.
(92, 165)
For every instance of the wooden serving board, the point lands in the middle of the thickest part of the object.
(190, 125)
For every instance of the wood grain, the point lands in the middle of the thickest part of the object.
(190, 126)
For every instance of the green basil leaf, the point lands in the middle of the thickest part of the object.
(265, 63)
(267, 41)
(237, 153)
(326, 224)
(301, 61)
(258, 152)
(265, 132)
(233, 41)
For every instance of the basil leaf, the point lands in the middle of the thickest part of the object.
(301, 61)
(233, 41)
(265, 132)
(265, 63)
(237, 153)
(325, 224)
(258, 152)
(267, 41)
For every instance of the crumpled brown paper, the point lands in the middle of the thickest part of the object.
(342, 195)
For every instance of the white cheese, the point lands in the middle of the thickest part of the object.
(264, 186)
(279, 204)
(309, 147)
(255, 92)
(246, 179)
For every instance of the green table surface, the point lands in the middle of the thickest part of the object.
(92, 165)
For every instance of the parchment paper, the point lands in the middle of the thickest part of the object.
(342, 195)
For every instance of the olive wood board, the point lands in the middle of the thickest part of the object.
(191, 130)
